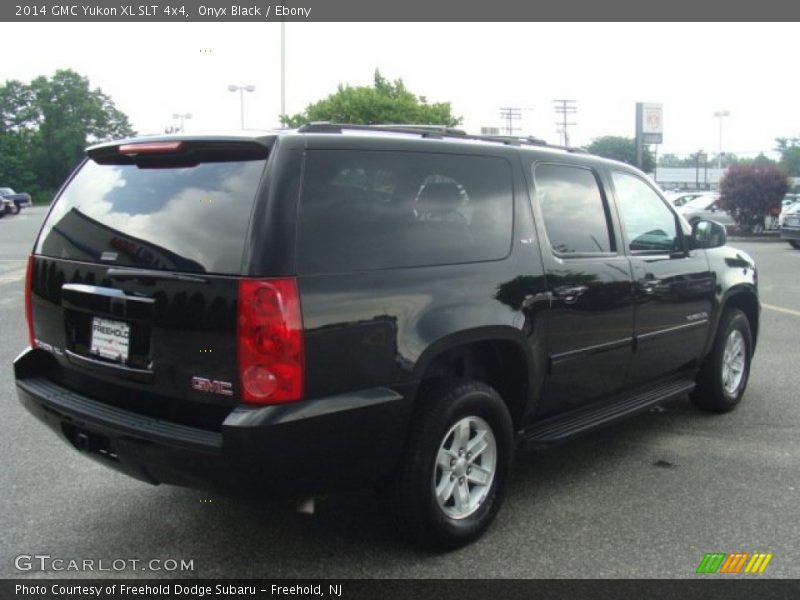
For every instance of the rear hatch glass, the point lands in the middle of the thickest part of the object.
(165, 214)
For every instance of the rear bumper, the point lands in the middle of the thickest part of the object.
(326, 444)
(790, 233)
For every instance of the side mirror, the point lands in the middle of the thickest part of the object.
(708, 234)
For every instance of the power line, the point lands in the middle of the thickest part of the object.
(564, 108)
(510, 115)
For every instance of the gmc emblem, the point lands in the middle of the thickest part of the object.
(201, 384)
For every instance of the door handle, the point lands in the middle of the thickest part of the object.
(570, 295)
(647, 287)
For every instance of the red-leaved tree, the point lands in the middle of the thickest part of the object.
(751, 192)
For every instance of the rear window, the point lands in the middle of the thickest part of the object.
(182, 218)
(378, 210)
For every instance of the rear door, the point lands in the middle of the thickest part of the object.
(590, 324)
(135, 277)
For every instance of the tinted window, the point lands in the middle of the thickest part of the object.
(377, 210)
(185, 219)
(648, 223)
(574, 211)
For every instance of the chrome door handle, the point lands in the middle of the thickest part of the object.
(570, 295)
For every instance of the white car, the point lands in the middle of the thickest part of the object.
(679, 199)
(787, 209)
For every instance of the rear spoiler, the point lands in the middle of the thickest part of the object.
(184, 153)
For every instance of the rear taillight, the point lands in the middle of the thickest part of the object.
(28, 305)
(270, 341)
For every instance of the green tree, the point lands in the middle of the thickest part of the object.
(383, 102)
(622, 149)
(761, 160)
(669, 160)
(789, 149)
(46, 125)
(728, 159)
(18, 136)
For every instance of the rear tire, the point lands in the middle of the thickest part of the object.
(795, 244)
(15, 209)
(453, 476)
(724, 375)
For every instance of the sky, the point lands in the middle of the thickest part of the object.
(153, 71)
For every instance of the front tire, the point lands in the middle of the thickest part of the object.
(453, 476)
(795, 244)
(724, 375)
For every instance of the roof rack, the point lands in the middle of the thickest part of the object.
(432, 131)
(435, 131)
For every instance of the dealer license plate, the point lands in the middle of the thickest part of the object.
(110, 339)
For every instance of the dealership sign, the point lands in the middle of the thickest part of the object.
(652, 123)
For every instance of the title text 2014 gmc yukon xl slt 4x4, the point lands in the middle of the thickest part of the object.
(338, 307)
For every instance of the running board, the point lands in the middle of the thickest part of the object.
(583, 420)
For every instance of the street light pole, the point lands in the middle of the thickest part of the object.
(241, 89)
(720, 114)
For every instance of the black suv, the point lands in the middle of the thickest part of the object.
(338, 307)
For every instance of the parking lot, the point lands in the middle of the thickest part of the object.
(646, 498)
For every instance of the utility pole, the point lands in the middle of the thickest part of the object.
(182, 117)
(509, 115)
(283, 68)
(564, 108)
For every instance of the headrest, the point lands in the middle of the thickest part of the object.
(440, 197)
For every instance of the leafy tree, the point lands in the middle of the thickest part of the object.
(728, 159)
(45, 126)
(760, 160)
(622, 149)
(750, 192)
(383, 102)
(669, 160)
(789, 149)
(18, 135)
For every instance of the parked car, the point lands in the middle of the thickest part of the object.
(6, 207)
(790, 225)
(706, 206)
(19, 200)
(787, 205)
(340, 307)
(681, 198)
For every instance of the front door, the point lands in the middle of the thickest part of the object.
(673, 286)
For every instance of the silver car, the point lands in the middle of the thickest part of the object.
(706, 206)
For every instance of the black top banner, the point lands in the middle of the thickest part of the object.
(181, 11)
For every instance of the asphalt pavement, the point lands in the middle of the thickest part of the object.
(646, 498)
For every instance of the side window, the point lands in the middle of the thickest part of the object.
(575, 213)
(377, 210)
(648, 223)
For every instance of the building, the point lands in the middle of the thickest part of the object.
(688, 178)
